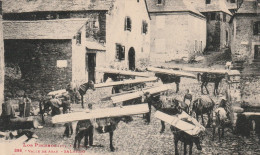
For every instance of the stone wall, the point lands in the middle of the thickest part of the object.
(174, 35)
(250, 90)
(216, 32)
(243, 40)
(37, 61)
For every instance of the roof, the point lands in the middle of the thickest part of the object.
(231, 6)
(42, 29)
(19, 6)
(247, 7)
(215, 6)
(94, 45)
(171, 6)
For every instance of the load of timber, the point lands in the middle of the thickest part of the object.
(176, 121)
(102, 113)
(57, 93)
(137, 94)
(215, 71)
(123, 72)
(171, 72)
(140, 80)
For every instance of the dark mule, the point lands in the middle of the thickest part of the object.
(187, 139)
(203, 105)
(206, 78)
(85, 129)
(155, 101)
(169, 79)
(81, 90)
(221, 121)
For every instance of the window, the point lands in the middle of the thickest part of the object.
(78, 38)
(213, 16)
(208, 1)
(120, 52)
(224, 17)
(94, 24)
(256, 28)
(159, 2)
(128, 24)
(144, 27)
(160, 21)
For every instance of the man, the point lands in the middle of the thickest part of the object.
(148, 99)
(7, 112)
(55, 106)
(187, 99)
(66, 109)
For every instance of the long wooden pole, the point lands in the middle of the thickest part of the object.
(134, 95)
(102, 113)
(140, 80)
(171, 72)
(122, 72)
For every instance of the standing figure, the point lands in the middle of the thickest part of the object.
(66, 104)
(55, 106)
(26, 105)
(7, 113)
(188, 99)
(148, 99)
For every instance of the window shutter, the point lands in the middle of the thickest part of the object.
(125, 23)
(122, 52)
(255, 28)
(117, 51)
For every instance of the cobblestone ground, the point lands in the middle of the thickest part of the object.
(137, 138)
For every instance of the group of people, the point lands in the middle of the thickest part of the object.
(8, 111)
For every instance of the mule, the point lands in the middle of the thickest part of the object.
(203, 105)
(103, 125)
(169, 79)
(206, 78)
(187, 139)
(221, 122)
(82, 89)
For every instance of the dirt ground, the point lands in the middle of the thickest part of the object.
(138, 138)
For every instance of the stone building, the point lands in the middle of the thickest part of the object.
(177, 30)
(53, 42)
(218, 16)
(245, 25)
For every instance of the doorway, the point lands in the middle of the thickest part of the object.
(131, 58)
(91, 63)
(257, 52)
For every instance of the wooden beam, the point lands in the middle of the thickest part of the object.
(175, 120)
(122, 72)
(172, 72)
(251, 113)
(102, 113)
(140, 80)
(134, 95)
(215, 71)
(57, 92)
